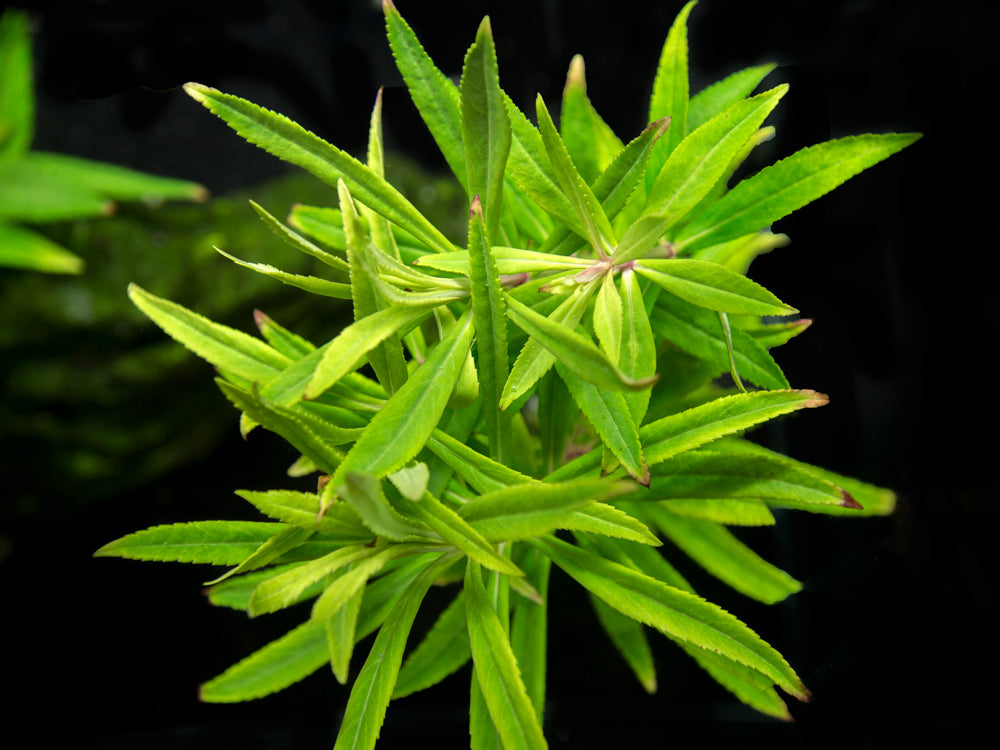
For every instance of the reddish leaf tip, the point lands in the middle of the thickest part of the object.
(476, 208)
(260, 318)
(849, 502)
(660, 126)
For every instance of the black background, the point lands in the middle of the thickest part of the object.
(893, 632)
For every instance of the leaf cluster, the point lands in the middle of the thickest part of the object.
(38, 187)
(568, 387)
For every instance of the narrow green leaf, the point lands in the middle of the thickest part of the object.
(303, 509)
(386, 357)
(715, 548)
(712, 286)
(700, 332)
(490, 322)
(344, 589)
(770, 334)
(289, 141)
(508, 260)
(613, 187)
(283, 589)
(373, 687)
(532, 172)
(608, 520)
(444, 650)
(778, 190)
(402, 427)
(281, 663)
(17, 95)
(737, 254)
(641, 557)
(224, 347)
(698, 161)
(608, 318)
(364, 492)
(455, 530)
(748, 685)
(27, 194)
(557, 417)
(483, 733)
(378, 225)
(608, 414)
(590, 214)
(348, 349)
(729, 511)
(589, 140)
(527, 510)
(573, 350)
(714, 475)
(235, 592)
(285, 341)
(306, 433)
(110, 180)
(693, 428)
(486, 133)
(341, 629)
(311, 284)
(535, 359)
(435, 96)
(298, 241)
(22, 248)
(637, 354)
(670, 93)
(529, 626)
(874, 501)
(677, 614)
(210, 542)
(675, 434)
(521, 219)
(481, 472)
(723, 94)
(496, 670)
(285, 540)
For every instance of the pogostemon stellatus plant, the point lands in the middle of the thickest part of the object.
(567, 385)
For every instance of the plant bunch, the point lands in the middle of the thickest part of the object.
(568, 384)
(39, 187)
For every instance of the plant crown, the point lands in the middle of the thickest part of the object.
(568, 384)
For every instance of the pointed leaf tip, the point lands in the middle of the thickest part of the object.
(817, 398)
(197, 91)
(260, 317)
(387, 5)
(576, 77)
(476, 207)
(849, 501)
(660, 126)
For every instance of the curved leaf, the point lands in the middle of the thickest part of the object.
(676, 613)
